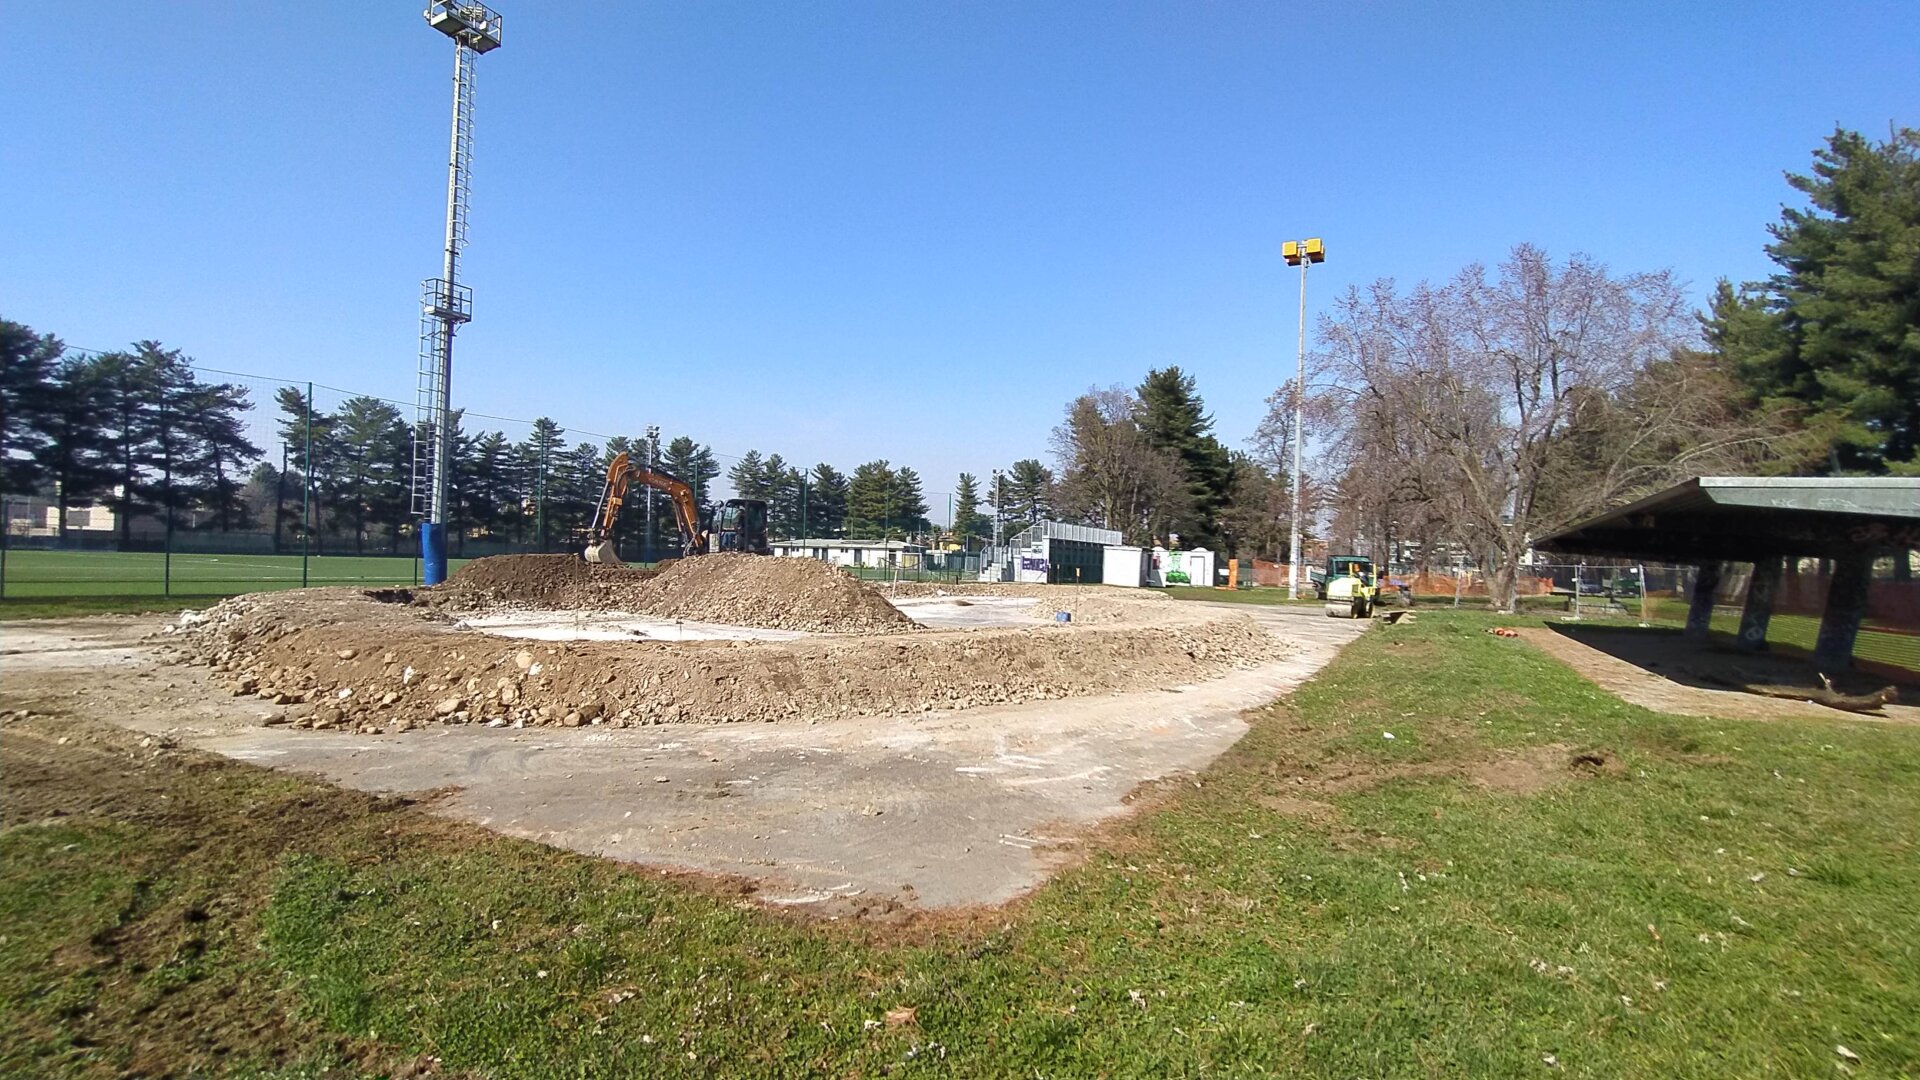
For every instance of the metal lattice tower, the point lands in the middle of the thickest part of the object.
(445, 304)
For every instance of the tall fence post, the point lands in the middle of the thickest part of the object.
(540, 502)
(306, 493)
(166, 560)
(6, 530)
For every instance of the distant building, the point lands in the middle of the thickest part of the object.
(839, 552)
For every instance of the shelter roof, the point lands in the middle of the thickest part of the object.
(1741, 518)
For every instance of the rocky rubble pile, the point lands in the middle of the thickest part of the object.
(742, 590)
(563, 581)
(780, 594)
(341, 659)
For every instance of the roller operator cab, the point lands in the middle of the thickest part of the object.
(1350, 588)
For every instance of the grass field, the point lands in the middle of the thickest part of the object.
(33, 574)
(1722, 899)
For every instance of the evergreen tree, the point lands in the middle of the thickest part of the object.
(826, 501)
(311, 480)
(223, 455)
(74, 460)
(538, 461)
(28, 392)
(870, 501)
(490, 497)
(572, 493)
(694, 464)
(968, 521)
(748, 476)
(1174, 420)
(907, 504)
(369, 490)
(1029, 494)
(1835, 334)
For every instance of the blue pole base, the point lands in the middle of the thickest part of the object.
(433, 552)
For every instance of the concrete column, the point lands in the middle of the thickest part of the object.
(1760, 595)
(1700, 609)
(1846, 606)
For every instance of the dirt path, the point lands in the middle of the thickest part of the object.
(946, 808)
(1640, 684)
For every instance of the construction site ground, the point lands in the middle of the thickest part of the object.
(864, 814)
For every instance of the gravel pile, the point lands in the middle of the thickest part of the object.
(780, 594)
(370, 661)
(740, 590)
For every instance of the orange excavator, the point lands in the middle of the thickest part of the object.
(741, 524)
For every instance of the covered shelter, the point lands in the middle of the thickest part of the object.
(1765, 520)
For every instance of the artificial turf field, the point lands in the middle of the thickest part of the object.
(44, 574)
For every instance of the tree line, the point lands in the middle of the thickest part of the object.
(142, 432)
(1460, 419)
(1467, 418)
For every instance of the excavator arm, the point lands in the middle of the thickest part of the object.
(622, 474)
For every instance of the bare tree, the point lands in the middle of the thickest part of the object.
(1110, 474)
(1510, 407)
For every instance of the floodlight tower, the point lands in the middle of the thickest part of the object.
(1300, 253)
(445, 304)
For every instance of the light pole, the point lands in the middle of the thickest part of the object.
(653, 463)
(1300, 253)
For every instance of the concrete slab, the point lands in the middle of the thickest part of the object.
(935, 810)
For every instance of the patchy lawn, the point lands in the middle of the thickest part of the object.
(1529, 877)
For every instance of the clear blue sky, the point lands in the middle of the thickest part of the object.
(910, 230)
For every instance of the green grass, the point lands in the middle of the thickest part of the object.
(1799, 632)
(1733, 900)
(43, 574)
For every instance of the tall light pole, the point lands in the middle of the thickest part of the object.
(653, 462)
(1300, 253)
(445, 304)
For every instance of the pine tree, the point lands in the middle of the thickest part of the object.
(538, 460)
(28, 392)
(968, 521)
(489, 497)
(694, 464)
(1029, 494)
(223, 455)
(908, 504)
(748, 476)
(1174, 420)
(302, 424)
(370, 486)
(826, 501)
(870, 501)
(75, 459)
(1832, 334)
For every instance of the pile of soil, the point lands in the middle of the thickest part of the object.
(348, 661)
(741, 590)
(780, 594)
(564, 581)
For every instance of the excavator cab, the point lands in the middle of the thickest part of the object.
(740, 525)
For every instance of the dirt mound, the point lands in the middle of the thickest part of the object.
(348, 660)
(742, 590)
(781, 594)
(538, 580)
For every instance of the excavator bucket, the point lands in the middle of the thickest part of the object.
(602, 554)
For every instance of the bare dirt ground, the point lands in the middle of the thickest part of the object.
(1666, 673)
(393, 659)
(932, 808)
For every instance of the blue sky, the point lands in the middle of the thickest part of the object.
(902, 230)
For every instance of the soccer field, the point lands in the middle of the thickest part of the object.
(114, 573)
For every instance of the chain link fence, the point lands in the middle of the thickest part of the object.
(305, 484)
